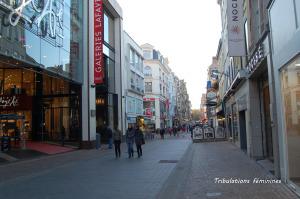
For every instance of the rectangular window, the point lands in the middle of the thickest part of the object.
(136, 61)
(109, 29)
(131, 57)
(148, 87)
(137, 83)
(132, 80)
(147, 54)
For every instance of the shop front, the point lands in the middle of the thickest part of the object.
(41, 67)
(286, 59)
(260, 102)
(290, 85)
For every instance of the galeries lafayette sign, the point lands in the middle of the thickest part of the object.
(98, 42)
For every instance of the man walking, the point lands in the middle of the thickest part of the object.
(117, 142)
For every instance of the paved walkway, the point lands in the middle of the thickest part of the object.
(195, 176)
(170, 168)
(93, 174)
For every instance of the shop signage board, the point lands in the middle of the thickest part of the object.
(42, 17)
(98, 42)
(211, 96)
(235, 28)
(15, 102)
(149, 99)
(148, 112)
(255, 60)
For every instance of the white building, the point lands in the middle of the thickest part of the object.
(133, 81)
(157, 98)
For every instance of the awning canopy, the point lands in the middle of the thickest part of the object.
(11, 117)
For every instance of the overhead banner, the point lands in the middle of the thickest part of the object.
(99, 74)
(236, 35)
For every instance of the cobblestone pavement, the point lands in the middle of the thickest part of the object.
(196, 173)
(93, 174)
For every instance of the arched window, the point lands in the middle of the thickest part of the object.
(148, 71)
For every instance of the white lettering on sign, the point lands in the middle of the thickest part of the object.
(256, 58)
(9, 101)
(46, 14)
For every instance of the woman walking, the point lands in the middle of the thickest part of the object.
(117, 142)
(130, 140)
(139, 140)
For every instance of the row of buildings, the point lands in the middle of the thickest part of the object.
(65, 67)
(150, 88)
(254, 86)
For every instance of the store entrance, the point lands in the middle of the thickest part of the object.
(267, 118)
(60, 120)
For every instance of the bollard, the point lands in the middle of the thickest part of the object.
(98, 140)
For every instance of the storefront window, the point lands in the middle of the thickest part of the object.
(1, 81)
(54, 46)
(13, 79)
(291, 104)
(28, 82)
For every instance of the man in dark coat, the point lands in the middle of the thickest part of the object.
(139, 139)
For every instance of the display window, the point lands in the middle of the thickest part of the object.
(290, 89)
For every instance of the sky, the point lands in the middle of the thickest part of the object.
(186, 32)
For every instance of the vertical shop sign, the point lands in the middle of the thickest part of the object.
(236, 40)
(98, 42)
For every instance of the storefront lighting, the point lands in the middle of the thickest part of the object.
(100, 101)
(297, 65)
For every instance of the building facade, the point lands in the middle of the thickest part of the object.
(212, 92)
(41, 66)
(183, 103)
(247, 84)
(133, 81)
(156, 90)
(104, 97)
(285, 39)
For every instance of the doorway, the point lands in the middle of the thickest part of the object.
(243, 133)
(267, 122)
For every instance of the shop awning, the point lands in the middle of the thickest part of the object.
(240, 76)
(11, 117)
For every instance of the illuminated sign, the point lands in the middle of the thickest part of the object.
(20, 102)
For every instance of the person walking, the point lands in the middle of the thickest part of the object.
(162, 133)
(117, 135)
(62, 135)
(130, 140)
(110, 136)
(139, 140)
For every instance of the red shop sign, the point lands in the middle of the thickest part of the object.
(98, 42)
(15, 102)
(149, 99)
(148, 112)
